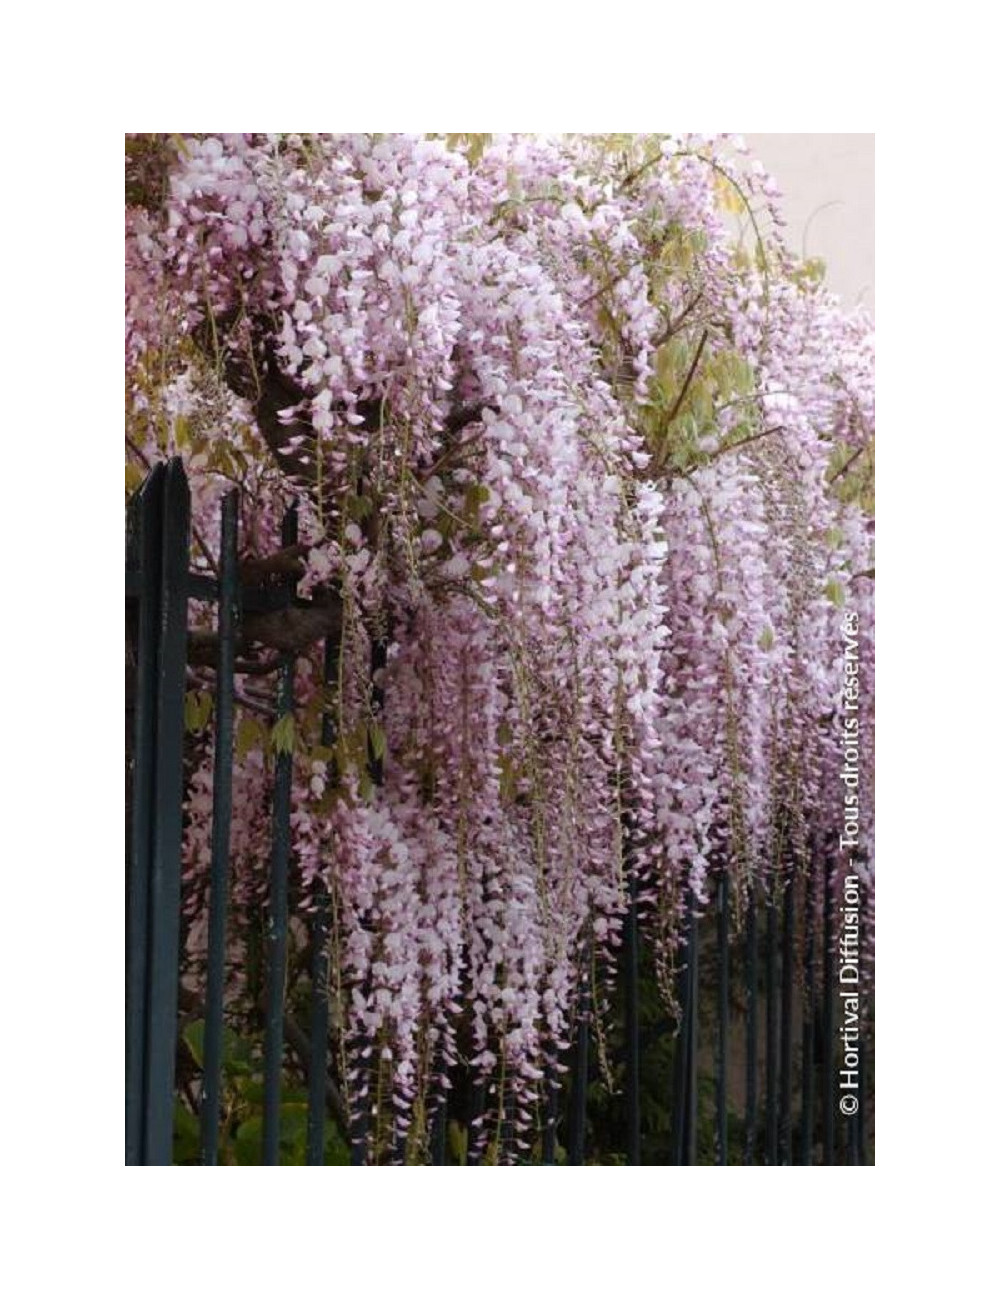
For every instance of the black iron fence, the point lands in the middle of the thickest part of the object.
(795, 1118)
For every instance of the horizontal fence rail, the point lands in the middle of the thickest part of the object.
(776, 1105)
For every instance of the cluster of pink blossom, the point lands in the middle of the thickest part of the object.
(600, 658)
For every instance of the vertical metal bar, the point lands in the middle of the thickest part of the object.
(145, 545)
(722, 1060)
(808, 1021)
(692, 1108)
(319, 1015)
(578, 1101)
(829, 1062)
(165, 882)
(787, 971)
(319, 995)
(750, 1154)
(132, 1139)
(678, 1110)
(277, 913)
(771, 1030)
(678, 1107)
(222, 807)
(631, 959)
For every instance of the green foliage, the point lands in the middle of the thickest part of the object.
(377, 741)
(241, 1130)
(134, 477)
(251, 734)
(197, 710)
(606, 1117)
(809, 273)
(458, 1142)
(358, 508)
(658, 1044)
(473, 143)
(851, 475)
(148, 160)
(187, 1136)
(691, 383)
(283, 734)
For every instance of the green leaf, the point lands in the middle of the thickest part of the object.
(834, 592)
(194, 1039)
(283, 734)
(187, 1137)
(182, 433)
(292, 1129)
(358, 508)
(458, 1141)
(197, 710)
(251, 1091)
(250, 734)
(293, 1121)
(335, 1150)
(476, 496)
(236, 1054)
(378, 741)
(250, 1141)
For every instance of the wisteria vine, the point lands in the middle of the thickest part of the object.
(582, 459)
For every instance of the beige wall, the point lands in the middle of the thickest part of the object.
(815, 171)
